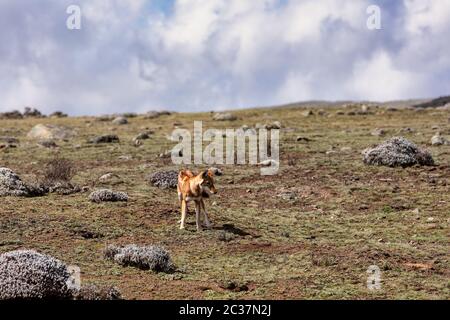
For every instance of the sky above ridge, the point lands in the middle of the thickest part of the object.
(201, 55)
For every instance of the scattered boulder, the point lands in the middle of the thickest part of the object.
(268, 163)
(27, 274)
(164, 179)
(276, 125)
(106, 195)
(142, 136)
(137, 143)
(233, 286)
(226, 236)
(63, 188)
(50, 132)
(120, 121)
(397, 152)
(224, 117)
(95, 293)
(153, 258)
(378, 132)
(287, 195)
(307, 113)
(110, 179)
(108, 138)
(439, 140)
(12, 185)
(156, 114)
(168, 154)
(47, 144)
(406, 130)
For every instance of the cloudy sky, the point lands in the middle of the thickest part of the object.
(191, 55)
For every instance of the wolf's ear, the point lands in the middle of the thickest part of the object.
(205, 174)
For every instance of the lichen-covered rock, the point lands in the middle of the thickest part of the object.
(47, 144)
(106, 195)
(93, 292)
(108, 138)
(12, 185)
(164, 179)
(156, 114)
(120, 121)
(50, 132)
(27, 274)
(63, 188)
(143, 136)
(439, 140)
(153, 258)
(397, 152)
(224, 117)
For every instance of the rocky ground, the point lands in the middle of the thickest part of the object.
(311, 231)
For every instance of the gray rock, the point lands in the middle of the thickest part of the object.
(27, 274)
(164, 179)
(50, 132)
(120, 121)
(153, 258)
(307, 113)
(95, 293)
(156, 114)
(12, 185)
(142, 136)
(47, 144)
(397, 152)
(378, 132)
(106, 195)
(108, 138)
(224, 117)
(439, 140)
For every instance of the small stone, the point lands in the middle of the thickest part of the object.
(120, 121)
(307, 113)
(224, 117)
(378, 132)
(439, 140)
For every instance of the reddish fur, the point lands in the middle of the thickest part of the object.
(192, 187)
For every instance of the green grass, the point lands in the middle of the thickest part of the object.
(346, 216)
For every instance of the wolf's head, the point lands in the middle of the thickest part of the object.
(207, 180)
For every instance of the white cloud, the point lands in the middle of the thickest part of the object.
(378, 79)
(218, 53)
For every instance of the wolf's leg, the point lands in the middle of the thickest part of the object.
(207, 222)
(183, 214)
(197, 215)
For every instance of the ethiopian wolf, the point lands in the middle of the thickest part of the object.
(195, 188)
